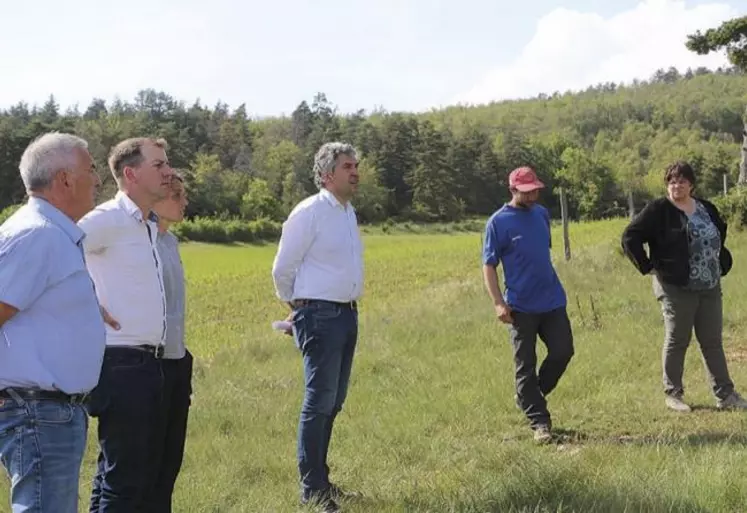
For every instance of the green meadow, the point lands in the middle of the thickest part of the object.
(430, 423)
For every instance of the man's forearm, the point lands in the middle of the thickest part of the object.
(491, 283)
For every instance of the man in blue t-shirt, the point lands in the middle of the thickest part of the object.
(518, 237)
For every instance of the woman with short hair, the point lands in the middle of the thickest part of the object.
(687, 258)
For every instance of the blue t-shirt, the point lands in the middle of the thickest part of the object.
(519, 239)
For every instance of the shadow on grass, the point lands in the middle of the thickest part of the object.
(573, 437)
(705, 407)
(691, 440)
(533, 489)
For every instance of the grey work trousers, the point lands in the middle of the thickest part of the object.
(684, 310)
(554, 329)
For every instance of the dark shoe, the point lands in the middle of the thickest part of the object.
(322, 500)
(733, 401)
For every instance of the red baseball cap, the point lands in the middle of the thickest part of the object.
(524, 179)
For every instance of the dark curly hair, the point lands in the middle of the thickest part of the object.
(680, 169)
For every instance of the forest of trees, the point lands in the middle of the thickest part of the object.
(604, 145)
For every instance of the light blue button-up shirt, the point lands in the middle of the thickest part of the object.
(56, 340)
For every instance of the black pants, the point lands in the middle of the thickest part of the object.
(141, 404)
(171, 432)
(554, 329)
(127, 403)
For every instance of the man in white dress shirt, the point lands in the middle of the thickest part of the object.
(121, 256)
(318, 271)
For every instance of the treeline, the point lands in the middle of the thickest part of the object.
(604, 145)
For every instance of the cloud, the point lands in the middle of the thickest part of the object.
(572, 50)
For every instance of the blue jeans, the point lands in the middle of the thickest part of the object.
(326, 334)
(41, 446)
(127, 403)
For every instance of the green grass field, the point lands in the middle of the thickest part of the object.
(430, 424)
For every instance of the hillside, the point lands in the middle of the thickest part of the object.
(602, 144)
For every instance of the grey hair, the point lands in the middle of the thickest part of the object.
(46, 155)
(326, 159)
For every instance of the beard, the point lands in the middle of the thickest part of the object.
(524, 203)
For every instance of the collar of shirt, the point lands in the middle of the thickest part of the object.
(131, 208)
(332, 199)
(55, 216)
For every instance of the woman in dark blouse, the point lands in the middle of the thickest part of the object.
(687, 258)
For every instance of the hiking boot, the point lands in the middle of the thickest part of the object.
(675, 402)
(542, 433)
(732, 401)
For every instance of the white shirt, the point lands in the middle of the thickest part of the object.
(122, 259)
(320, 254)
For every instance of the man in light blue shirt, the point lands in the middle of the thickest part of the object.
(52, 332)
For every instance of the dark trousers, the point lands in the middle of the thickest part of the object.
(127, 404)
(684, 310)
(171, 432)
(326, 335)
(554, 329)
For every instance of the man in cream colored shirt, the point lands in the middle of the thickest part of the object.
(122, 259)
(318, 271)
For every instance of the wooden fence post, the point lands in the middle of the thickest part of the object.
(631, 204)
(564, 215)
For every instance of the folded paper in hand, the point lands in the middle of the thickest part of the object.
(281, 325)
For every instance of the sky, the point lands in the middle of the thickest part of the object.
(397, 55)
